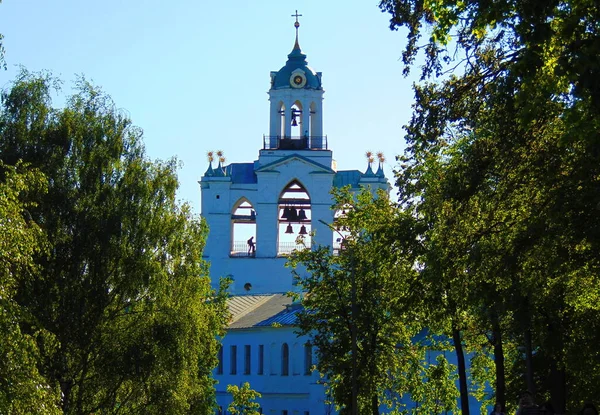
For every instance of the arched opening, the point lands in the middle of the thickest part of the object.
(308, 359)
(296, 120)
(294, 218)
(285, 360)
(243, 229)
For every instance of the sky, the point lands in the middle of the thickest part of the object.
(194, 74)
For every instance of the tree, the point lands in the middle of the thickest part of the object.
(243, 400)
(503, 158)
(22, 388)
(362, 310)
(122, 287)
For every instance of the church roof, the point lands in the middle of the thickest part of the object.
(249, 311)
(296, 61)
(241, 172)
(347, 177)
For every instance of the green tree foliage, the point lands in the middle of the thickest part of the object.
(362, 309)
(122, 288)
(243, 402)
(22, 389)
(502, 167)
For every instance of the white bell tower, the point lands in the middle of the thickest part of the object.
(296, 110)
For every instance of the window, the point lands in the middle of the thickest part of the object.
(220, 357)
(284, 412)
(294, 218)
(247, 350)
(243, 230)
(261, 359)
(233, 359)
(285, 360)
(308, 363)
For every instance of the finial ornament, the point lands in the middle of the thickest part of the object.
(296, 25)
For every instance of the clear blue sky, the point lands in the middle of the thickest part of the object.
(194, 73)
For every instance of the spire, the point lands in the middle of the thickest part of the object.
(210, 157)
(209, 172)
(370, 160)
(381, 159)
(296, 25)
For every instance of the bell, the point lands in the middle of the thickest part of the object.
(293, 215)
(289, 229)
(302, 215)
(294, 123)
(303, 230)
(286, 213)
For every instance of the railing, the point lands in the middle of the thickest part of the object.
(241, 249)
(277, 142)
(285, 248)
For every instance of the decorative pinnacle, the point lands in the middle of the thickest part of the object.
(296, 25)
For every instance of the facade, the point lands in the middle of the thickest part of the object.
(255, 211)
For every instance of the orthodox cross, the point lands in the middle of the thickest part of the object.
(297, 24)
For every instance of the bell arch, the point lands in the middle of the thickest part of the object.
(243, 228)
(297, 119)
(294, 217)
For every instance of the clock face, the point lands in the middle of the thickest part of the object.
(297, 80)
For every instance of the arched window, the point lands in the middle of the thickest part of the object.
(285, 360)
(243, 229)
(294, 218)
(296, 120)
(220, 365)
(308, 360)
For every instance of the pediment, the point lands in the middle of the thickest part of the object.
(292, 159)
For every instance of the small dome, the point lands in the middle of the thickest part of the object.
(296, 62)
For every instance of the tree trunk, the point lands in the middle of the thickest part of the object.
(528, 348)
(558, 384)
(462, 373)
(374, 404)
(499, 363)
(529, 362)
(558, 388)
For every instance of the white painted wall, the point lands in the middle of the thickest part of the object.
(265, 271)
(295, 392)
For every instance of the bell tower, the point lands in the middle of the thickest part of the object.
(257, 211)
(296, 104)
